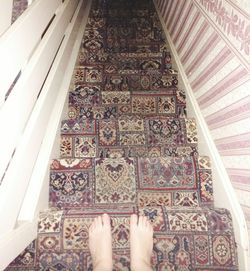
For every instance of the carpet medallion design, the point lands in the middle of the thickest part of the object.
(154, 198)
(128, 123)
(128, 147)
(107, 133)
(115, 97)
(147, 181)
(115, 181)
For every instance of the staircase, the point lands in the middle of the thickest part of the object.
(127, 147)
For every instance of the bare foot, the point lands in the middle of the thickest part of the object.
(141, 243)
(100, 243)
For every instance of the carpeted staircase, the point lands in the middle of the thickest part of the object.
(129, 147)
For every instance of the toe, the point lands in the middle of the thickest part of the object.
(106, 220)
(99, 221)
(145, 221)
(148, 224)
(141, 221)
(133, 220)
(149, 227)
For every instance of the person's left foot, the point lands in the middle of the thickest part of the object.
(141, 243)
(100, 243)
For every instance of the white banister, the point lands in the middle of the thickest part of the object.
(16, 48)
(21, 134)
(5, 15)
(18, 43)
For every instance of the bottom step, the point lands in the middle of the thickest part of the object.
(184, 240)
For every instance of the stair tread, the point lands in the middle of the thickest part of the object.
(175, 231)
(182, 181)
(134, 134)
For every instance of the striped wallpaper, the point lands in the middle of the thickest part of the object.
(212, 38)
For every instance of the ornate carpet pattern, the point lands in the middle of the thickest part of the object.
(161, 181)
(129, 147)
(128, 136)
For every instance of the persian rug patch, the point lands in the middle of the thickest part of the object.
(128, 136)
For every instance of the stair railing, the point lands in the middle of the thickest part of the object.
(5, 15)
(37, 53)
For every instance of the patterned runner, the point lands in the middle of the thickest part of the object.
(128, 147)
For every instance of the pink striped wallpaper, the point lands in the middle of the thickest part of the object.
(212, 38)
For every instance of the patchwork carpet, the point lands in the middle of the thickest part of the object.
(129, 147)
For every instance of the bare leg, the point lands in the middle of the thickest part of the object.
(141, 243)
(100, 243)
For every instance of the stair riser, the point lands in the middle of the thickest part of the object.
(131, 135)
(183, 182)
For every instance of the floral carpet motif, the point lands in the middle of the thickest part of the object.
(115, 180)
(128, 147)
(19, 6)
(129, 136)
(156, 181)
(166, 173)
(183, 240)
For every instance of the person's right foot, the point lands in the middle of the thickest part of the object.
(100, 243)
(141, 243)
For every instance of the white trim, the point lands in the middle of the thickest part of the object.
(49, 149)
(224, 194)
(15, 51)
(13, 242)
(25, 115)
